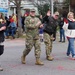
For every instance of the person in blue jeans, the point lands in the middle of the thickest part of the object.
(69, 27)
(41, 34)
(62, 34)
(70, 49)
(11, 30)
(41, 30)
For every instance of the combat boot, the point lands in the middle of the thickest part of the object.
(38, 62)
(23, 59)
(50, 58)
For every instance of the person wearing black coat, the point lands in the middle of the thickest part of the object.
(2, 28)
(62, 34)
(49, 32)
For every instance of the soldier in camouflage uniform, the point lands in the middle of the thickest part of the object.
(48, 38)
(32, 37)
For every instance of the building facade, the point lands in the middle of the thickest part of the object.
(25, 7)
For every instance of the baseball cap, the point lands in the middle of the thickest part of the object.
(56, 13)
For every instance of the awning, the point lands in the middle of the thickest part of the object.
(3, 10)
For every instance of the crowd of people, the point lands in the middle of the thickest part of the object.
(12, 25)
(43, 28)
(47, 27)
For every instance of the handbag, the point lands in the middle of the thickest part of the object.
(1, 49)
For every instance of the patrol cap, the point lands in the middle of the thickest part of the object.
(56, 13)
(32, 10)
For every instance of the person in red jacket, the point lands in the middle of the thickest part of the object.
(11, 28)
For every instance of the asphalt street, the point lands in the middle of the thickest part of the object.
(11, 60)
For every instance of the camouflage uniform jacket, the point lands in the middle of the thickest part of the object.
(31, 28)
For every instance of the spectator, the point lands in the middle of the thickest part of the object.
(41, 30)
(69, 27)
(62, 35)
(2, 28)
(11, 28)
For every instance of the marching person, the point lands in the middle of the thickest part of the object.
(32, 37)
(50, 32)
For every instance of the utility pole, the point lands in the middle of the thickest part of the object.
(52, 8)
(69, 6)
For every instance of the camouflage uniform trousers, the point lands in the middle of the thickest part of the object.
(48, 43)
(30, 42)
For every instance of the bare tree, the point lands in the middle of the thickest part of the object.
(17, 3)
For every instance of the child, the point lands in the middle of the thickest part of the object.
(41, 34)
